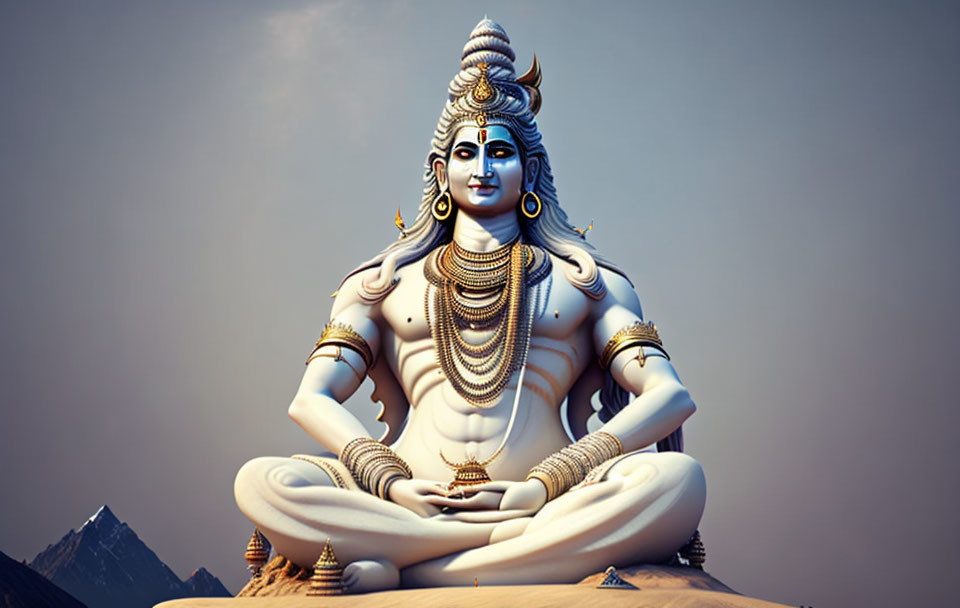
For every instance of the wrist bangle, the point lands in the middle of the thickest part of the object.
(572, 464)
(373, 465)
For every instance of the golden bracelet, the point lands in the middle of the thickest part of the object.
(571, 465)
(639, 334)
(373, 465)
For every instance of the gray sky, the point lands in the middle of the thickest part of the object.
(183, 185)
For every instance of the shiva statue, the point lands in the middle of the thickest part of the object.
(486, 316)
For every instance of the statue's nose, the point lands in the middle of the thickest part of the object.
(483, 164)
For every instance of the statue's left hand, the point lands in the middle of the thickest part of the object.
(497, 501)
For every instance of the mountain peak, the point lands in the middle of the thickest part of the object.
(200, 572)
(203, 584)
(103, 519)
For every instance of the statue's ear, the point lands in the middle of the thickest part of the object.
(530, 173)
(440, 170)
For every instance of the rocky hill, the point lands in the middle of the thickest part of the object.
(21, 587)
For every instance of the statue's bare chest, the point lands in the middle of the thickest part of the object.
(562, 309)
(560, 343)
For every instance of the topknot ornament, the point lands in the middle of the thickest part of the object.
(488, 75)
(488, 44)
(482, 92)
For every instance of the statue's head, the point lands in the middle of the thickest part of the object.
(486, 149)
(487, 157)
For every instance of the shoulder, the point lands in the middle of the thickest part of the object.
(350, 294)
(619, 308)
(413, 269)
(619, 293)
(352, 310)
(599, 284)
(617, 289)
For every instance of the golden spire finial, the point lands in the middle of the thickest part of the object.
(483, 91)
(327, 557)
(398, 222)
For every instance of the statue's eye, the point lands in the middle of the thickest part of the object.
(464, 153)
(501, 152)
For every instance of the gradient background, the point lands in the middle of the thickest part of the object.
(184, 184)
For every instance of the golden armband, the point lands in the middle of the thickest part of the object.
(570, 466)
(373, 465)
(639, 334)
(342, 335)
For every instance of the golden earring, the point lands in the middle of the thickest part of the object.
(530, 205)
(442, 207)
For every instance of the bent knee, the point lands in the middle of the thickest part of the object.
(684, 472)
(681, 465)
(272, 473)
(254, 472)
(251, 480)
(672, 471)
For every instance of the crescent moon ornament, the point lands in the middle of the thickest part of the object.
(531, 82)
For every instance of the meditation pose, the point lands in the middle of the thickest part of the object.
(485, 316)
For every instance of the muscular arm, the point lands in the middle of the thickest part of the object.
(328, 382)
(663, 402)
(331, 378)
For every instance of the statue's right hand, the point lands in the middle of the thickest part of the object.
(418, 495)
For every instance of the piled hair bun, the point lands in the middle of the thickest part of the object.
(488, 44)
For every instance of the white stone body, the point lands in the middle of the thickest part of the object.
(645, 507)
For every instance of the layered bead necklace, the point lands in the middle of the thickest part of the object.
(475, 291)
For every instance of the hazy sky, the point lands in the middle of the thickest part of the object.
(183, 184)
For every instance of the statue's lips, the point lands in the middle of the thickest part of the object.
(483, 188)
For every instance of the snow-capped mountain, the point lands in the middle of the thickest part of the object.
(105, 565)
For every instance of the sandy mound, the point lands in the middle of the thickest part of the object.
(284, 585)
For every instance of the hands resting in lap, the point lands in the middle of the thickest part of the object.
(489, 502)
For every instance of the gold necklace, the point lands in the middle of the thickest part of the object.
(480, 372)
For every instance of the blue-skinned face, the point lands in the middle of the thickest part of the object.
(485, 171)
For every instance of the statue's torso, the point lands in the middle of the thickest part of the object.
(441, 419)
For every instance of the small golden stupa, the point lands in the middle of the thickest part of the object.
(694, 551)
(470, 472)
(257, 553)
(327, 574)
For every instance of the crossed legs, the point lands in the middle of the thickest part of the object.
(647, 506)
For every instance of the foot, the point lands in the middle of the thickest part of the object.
(366, 576)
